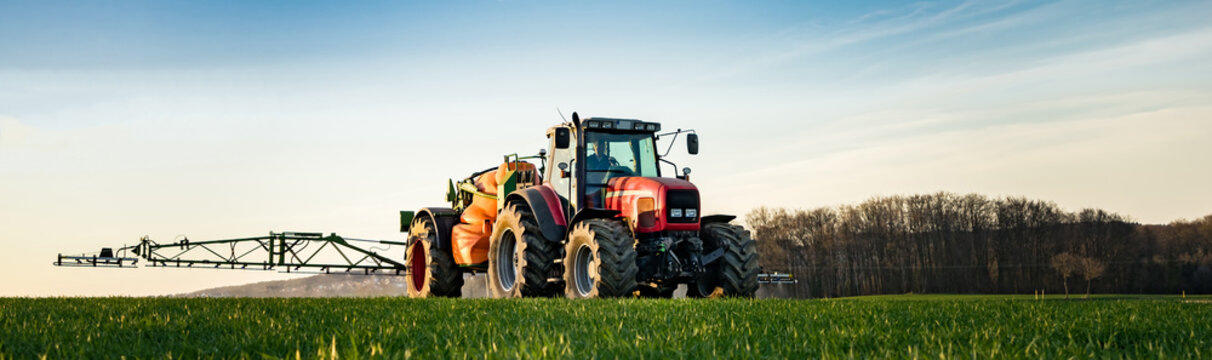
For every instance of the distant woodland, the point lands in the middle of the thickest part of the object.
(950, 243)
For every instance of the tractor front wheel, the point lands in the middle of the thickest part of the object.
(734, 273)
(432, 270)
(599, 260)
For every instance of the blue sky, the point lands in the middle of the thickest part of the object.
(227, 118)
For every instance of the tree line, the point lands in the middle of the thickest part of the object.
(951, 243)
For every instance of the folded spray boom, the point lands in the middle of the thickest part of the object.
(286, 251)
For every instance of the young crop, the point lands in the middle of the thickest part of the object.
(897, 327)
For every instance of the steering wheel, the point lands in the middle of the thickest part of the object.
(623, 170)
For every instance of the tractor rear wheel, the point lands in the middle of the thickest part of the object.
(432, 270)
(520, 259)
(599, 260)
(734, 273)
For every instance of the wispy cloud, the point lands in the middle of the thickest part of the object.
(1057, 117)
(807, 39)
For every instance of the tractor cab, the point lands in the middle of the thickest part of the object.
(613, 164)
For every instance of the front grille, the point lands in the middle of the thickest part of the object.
(682, 200)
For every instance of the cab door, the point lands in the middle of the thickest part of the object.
(563, 186)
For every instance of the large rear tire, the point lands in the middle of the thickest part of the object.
(520, 259)
(599, 260)
(432, 270)
(734, 273)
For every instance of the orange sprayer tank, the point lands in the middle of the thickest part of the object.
(470, 237)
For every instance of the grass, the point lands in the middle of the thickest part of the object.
(916, 326)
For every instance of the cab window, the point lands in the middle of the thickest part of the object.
(620, 154)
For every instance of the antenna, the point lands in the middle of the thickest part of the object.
(561, 114)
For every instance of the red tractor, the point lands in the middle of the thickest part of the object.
(595, 219)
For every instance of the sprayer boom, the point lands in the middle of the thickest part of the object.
(285, 251)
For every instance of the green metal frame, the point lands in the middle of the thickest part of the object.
(291, 251)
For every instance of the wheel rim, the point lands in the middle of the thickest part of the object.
(507, 259)
(581, 265)
(417, 265)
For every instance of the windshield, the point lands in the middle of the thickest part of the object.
(620, 154)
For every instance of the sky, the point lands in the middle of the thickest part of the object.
(223, 119)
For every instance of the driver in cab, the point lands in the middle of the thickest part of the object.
(598, 165)
(600, 159)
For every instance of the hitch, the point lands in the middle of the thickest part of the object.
(713, 256)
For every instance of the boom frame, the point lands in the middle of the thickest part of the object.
(291, 251)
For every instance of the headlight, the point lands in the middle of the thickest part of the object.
(645, 212)
(692, 213)
(676, 213)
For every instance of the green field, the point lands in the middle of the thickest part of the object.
(884, 326)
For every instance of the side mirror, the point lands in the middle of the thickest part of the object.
(692, 143)
(561, 138)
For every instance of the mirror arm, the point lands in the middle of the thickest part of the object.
(542, 161)
(678, 131)
(675, 139)
(671, 142)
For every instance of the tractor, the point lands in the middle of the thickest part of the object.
(594, 220)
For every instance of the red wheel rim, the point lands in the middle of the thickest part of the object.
(417, 266)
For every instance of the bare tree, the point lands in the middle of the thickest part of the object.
(1091, 269)
(1066, 264)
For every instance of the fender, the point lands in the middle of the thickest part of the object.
(444, 219)
(547, 207)
(594, 213)
(710, 219)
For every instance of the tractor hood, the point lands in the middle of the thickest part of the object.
(653, 204)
